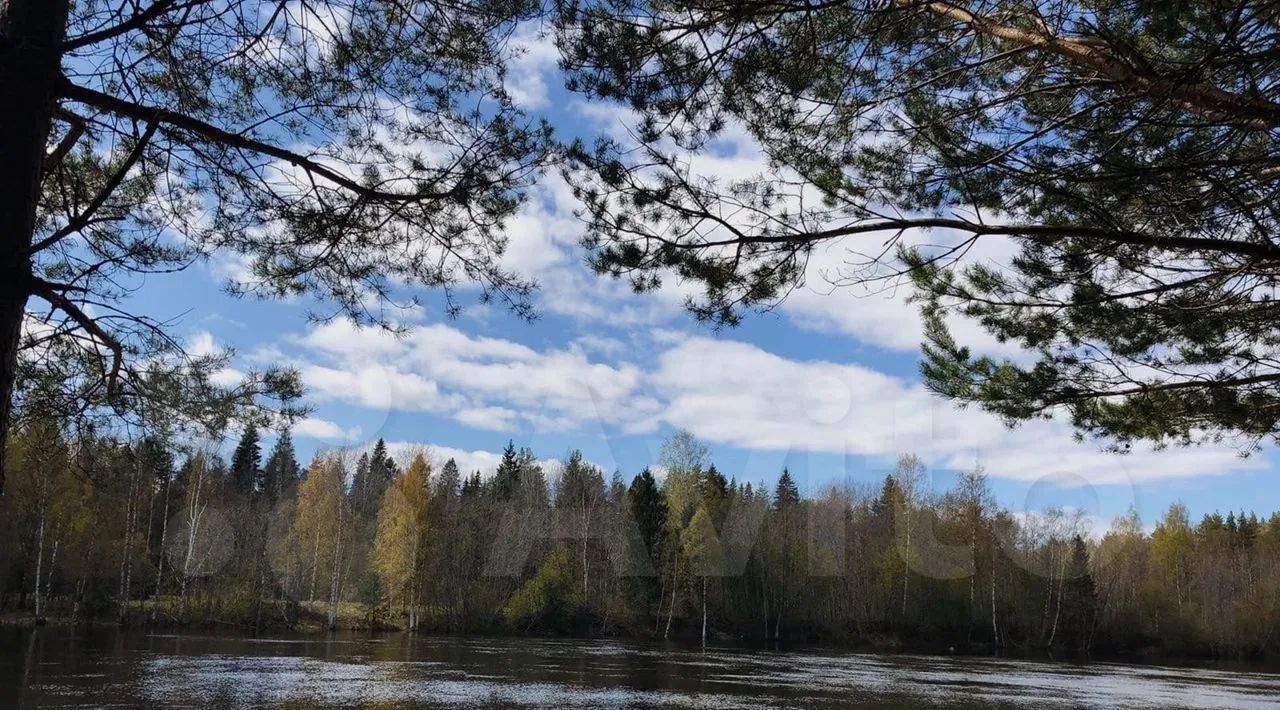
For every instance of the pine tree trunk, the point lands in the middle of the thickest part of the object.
(671, 611)
(764, 606)
(335, 577)
(995, 629)
(1057, 612)
(75, 605)
(39, 610)
(126, 560)
(53, 565)
(31, 32)
(662, 594)
(315, 565)
(704, 613)
(906, 566)
(164, 532)
(973, 583)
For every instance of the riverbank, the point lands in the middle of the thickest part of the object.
(313, 618)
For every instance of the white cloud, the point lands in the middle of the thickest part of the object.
(734, 393)
(202, 344)
(469, 461)
(530, 71)
(724, 391)
(316, 428)
(488, 383)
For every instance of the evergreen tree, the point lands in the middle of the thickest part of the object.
(532, 488)
(506, 480)
(246, 462)
(374, 472)
(617, 489)
(473, 486)
(449, 483)
(786, 494)
(648, 507)
(156, 459)
(1248, 529)
(713, 490)
(1080, 600)
(281, 472)
(360, 483)
(581, 484)
(891, 500)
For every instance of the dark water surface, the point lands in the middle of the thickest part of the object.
(62, 667)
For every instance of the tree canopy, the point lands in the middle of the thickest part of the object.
(1126, 155)
(342, 149)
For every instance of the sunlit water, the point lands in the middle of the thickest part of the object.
(58, 667)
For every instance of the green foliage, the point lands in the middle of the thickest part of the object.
(449, 482)
(281, 472)
(348, 151)
(506, 481)
(1089, 200)
(246, 463)
(786, 494)
(581, 484)
(702, 546)
(845, 566)
(546, 600)
(648, 506)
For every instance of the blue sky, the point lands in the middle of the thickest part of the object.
(827, 384)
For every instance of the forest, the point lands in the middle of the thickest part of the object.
(151, 534)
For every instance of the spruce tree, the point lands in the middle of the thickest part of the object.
(360, 483)
(449, 482)
(506, 480)
(786, 494)
(581, 484)
(648, 508)
(382, 469)
(246, 468)
(1080, 600)
(281, 472)
(473, 486)
(713, 489)
(617, 488)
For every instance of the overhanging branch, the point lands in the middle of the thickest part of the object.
(1227, 246)
(1255, 112)
(112, 375)
(82, 219)
(214, 134)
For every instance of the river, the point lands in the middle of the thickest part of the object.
(62, 667)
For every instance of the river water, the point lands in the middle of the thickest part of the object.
(61, 667)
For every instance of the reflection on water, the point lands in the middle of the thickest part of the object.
(65, 668)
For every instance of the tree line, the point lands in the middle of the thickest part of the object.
(143, 534)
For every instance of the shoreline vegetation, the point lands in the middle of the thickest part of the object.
(312, 622)
(145, 536)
